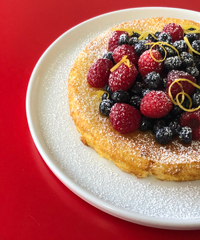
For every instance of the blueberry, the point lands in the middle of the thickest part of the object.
(165, 37)
(196, 99)
(175, 127)
(153, 80)
(192, 37)
(123, 39)
(105, 96)
(120, 96)
(109, 55)
(157, 34)
(140, 47)
(136, 88)
(151, 37)
(157, 125)
(185, 135)
(135, 101)
(105, 107)
(133, 41)
(163, 135)
(107, 89)
(146, 124)
(145, 91)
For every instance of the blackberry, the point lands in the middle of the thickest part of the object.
(140, 47)
(193, 71)
(157, 34)
(153, 80)
(105, 106)
(146, 124)
(158, 124)
(120, 96)
(196, 45)
(181, 46)
(165, 37)
(192, 37)
(133, 41)
(135, 34)
(164, 83)
(163, 135)
(175, 127)
(107, 89)
(135, 101)
(176, 110)
(109, 55)
(123, 39)
(185, 135)
(187, 59)
(105, 96)
(170, 51)
(136, 88)
(151, 37)
(172, 63)
(196, 99)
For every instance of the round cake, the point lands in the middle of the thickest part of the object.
(136, 152)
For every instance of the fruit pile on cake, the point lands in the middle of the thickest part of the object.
(134, 96)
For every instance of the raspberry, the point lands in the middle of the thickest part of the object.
(124, 118)
(155, 104)
(175, 89)
(113, 41)
(147, 64)
(123, 50)
(192, 120)
(174, 30)
(122, 78)
(99, 72)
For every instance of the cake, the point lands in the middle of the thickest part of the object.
(136, 152)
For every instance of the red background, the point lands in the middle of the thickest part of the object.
(34, 204)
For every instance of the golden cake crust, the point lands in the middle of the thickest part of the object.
(136, 153)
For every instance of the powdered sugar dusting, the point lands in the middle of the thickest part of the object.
(97, 175)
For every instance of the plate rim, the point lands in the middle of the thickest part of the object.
(77, 189)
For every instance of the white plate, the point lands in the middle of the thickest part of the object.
(148, 201)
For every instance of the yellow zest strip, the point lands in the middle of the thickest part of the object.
(177, 102)
(123, 60)
(190, 47)
(186, 29)
(161, 45)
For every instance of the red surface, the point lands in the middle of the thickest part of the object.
(34, 204)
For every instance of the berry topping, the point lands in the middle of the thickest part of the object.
(146, 124)
(175, 127)
(147, 64)
(155, 104)
(141, 47)
(192, 120)
(187, 59)
(133, 41)
(174, 30)
(193, 71)
(135, 101)
(99, 73)
(192, 36)
(109, 55)
(163, 135)
(172, 63)
(196, 99)
(181, 46)
(175, 89)
(122, 77)
(196, 45)
(165, 37)
(124, 118)
(185, 135)
(113, 41)
(123, 39)
(105, 106)
(153, 80)
(123, 50)
(120, 96)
